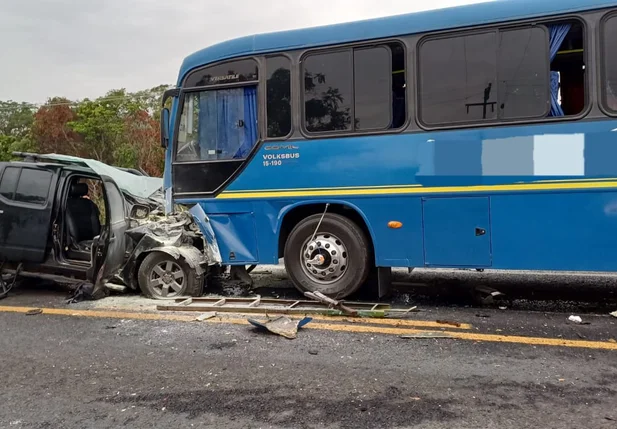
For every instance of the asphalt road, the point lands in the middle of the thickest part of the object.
(69, 371)
(513, 363)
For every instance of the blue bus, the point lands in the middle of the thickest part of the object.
(480, 136)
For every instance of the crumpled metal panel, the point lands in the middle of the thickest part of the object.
(176, 235)
(212, 248)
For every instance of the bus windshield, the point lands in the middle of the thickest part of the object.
(218, 125)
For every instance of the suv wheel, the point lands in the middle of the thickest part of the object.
(162, 276)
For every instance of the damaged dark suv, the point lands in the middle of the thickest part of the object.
(74, 220)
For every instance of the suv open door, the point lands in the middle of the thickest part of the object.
(108, 251)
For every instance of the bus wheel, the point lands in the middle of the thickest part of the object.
(333, 260)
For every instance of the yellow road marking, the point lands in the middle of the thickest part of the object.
(468, 336)
(113, 314)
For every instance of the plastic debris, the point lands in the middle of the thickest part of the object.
(206, 316)
(282, 325)
(614, 314)
(575, 319)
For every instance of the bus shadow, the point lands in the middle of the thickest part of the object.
(531, 291)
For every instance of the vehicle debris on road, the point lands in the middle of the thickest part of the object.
(318, 296)
(575, 319)
(614, 314)
(206, 316)
(277, 306)
(282, 325)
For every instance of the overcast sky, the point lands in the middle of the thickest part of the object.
(83, 48)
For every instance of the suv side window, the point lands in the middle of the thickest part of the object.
(8, 183)
(33, 186)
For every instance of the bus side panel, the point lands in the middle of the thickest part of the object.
(250, 229)
(560, 231)
(401, 247)
(236, 236)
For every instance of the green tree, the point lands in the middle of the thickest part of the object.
(15, 128)
(100, 123)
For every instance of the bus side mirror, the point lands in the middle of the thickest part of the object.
(165, 128)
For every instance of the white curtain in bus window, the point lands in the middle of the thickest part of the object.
(222, 126)
(609, 39)
(458, 79)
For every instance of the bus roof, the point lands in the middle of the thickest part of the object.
(391, 26)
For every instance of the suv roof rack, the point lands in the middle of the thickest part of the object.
(36, 157)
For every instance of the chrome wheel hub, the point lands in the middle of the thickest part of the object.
(324, 259)
(167, 279)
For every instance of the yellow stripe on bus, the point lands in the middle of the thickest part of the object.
(537, 186)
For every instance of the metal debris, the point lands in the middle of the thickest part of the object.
(614, 314)
(273, 306)
(281, 325)
(34, 311)
(486, 295)
(318, 296)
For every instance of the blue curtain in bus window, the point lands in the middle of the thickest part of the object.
(227, 123)
(207, 131)
(557, 34)
(250, 122)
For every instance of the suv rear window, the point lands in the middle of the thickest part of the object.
(8, 183)
(31, 186)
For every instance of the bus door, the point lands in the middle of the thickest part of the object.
(218, 129)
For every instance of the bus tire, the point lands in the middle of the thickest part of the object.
(335, 262)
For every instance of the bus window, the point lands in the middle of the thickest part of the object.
(231, 72)
(328, 92)
(218, 125)
(278, 98)
(372, 88)
(458, 79)
(359, 89)
(531, 72)
(567, 62)
(609, 35)
(522, 73)
(399, 85)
